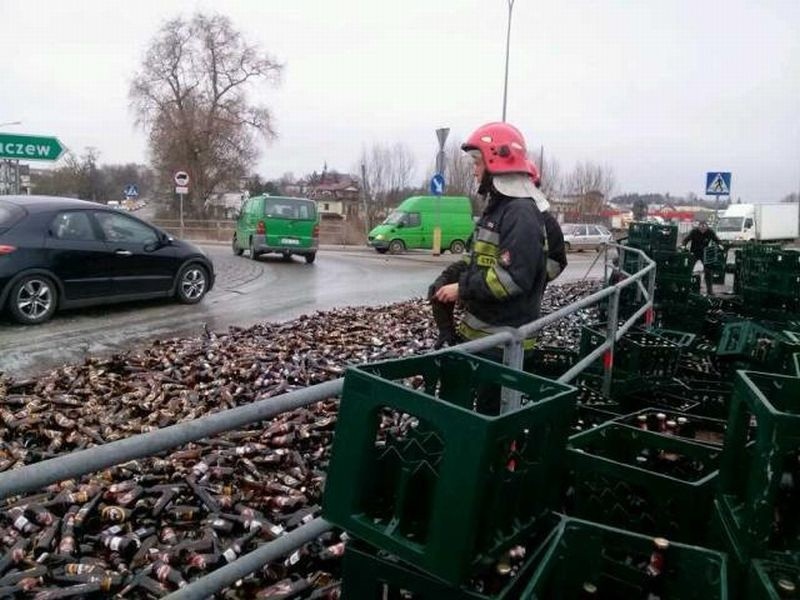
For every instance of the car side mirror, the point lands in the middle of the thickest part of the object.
(400, 225)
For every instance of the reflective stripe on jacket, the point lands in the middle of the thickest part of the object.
(504, 280)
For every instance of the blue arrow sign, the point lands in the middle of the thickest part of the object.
(131, 191)
(437, 184)
(718, 183)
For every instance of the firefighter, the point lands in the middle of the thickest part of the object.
(506, 269)
(556, 263)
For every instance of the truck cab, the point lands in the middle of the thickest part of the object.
(737, 223)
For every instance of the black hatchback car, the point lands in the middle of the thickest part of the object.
(61, 253)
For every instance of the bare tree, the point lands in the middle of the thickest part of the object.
(590, 177)
(549, 174)
(389, 171)
(191, 96)
(592, 184)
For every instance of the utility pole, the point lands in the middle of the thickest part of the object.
(508, 47)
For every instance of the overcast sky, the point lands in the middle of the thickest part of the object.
(660, 90)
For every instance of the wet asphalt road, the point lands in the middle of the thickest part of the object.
(246, 292)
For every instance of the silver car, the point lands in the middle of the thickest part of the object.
(580, 236)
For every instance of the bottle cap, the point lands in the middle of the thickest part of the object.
(661, 543)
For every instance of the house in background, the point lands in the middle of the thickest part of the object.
(337, 194)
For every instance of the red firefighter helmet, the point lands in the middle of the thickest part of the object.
(503, 149)
(534, 172)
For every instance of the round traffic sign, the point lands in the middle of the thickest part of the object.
(181, 178)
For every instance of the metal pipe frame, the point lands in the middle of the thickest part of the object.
(207, 586)
(35, 476)
(38, 475)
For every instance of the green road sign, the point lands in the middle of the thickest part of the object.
(29, 147)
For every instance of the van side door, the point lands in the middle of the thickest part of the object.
(412, 230)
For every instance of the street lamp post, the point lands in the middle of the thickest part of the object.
(16, 162)
(508, 46)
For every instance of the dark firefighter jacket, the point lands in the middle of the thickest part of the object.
(504, 280)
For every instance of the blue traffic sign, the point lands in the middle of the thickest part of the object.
(718, 183)
(437, 184)
(131, 191)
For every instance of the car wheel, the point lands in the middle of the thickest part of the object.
(33, 299)
(192, 284)
(236, 250)
(396, 247)
(310, 258)
(567, 247)
(381, 250)
(253, 253)
(457, 247)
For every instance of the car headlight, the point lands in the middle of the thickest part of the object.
(379, 236)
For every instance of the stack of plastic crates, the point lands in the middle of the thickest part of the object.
(769, 277)
(428, 475)
(757, 502)
(673, 276)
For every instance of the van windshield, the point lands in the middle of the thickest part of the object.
(395, 218)
(298, 210)
(730, 224)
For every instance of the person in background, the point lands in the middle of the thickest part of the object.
(698, 239)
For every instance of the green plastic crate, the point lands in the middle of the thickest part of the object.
(612, 487)
(672, 287)
(765, 578)
(707, 398)
(638, 352)
(369, 574)
(697, 429)
(588, 417)
(552, 361)
(678, 262)
(713, 255)
(623, 385)
(683, 339)
(759, 516)
(465, 485)
(615, 561)
(663, 394)
(759, 346)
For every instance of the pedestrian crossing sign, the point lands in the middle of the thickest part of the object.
(718, 184)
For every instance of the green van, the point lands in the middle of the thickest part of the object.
(276, 224)
(412, 223)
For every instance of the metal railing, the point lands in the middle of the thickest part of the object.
(35, 476)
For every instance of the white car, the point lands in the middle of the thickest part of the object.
(582, 236)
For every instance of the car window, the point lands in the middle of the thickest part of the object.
(568, 229)
(9, 214)
(73, 225)
(594, 230)
(120, 228)
(412, 220)
(289, 209)
(580, 230)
